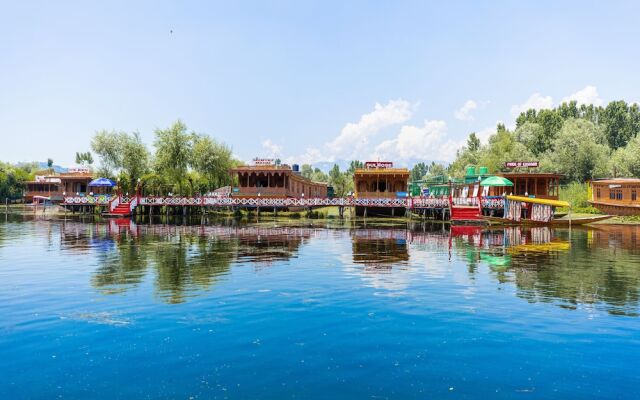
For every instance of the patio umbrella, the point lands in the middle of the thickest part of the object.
(496, 181)
(102, 182)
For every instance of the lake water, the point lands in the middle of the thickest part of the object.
(122, 310)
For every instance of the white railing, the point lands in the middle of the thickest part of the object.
(133, 203)
(465, 201)
(114, 203)
(217, 201)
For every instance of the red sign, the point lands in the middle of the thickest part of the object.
(518, 164)
(378, 164)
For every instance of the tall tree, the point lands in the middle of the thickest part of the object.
(576, 152)
(212, 160)
(173, 155)
(108, 147)
(473, 142)
(419, 171)
(84, 158)
(619, 124)
(135, 157)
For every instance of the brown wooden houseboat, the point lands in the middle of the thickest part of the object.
(379, 180)
(55, 186)
(617, 196)
(275, 181)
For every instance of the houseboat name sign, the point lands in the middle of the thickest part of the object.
(378, 164)
(518, 164)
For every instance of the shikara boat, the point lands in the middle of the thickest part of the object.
(540, 213)
(554, 222)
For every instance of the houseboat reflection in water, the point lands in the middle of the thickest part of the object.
(593, 268)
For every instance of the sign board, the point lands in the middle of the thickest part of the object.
(519, 164)
(263, 161)
(79, 170)
(378, 164)
(44, 179)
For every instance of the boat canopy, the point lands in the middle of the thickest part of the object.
(496, 181)
(553, 203)
(102, 182)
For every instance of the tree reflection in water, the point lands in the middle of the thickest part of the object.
(546, 267)
(592, 267)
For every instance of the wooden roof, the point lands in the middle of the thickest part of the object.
(616, 181)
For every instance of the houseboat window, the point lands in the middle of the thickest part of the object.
(633, 195)
(619, 194)
(598, 192)
(612, 195)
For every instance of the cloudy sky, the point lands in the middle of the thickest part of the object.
(304, 81)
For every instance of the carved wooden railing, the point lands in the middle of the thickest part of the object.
(215, 201)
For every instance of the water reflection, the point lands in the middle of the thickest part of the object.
(582, 268)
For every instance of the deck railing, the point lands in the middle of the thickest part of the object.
(219, 201)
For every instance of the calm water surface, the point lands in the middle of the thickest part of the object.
(123, 310)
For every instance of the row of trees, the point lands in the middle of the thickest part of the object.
(182, 161)
(581, 142)
(13, 178)
(341, 181)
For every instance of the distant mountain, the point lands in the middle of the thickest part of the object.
(56, 168)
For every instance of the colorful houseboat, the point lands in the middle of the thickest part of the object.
(268, 179)
(380, 182)
(55, 186)
(617, 196)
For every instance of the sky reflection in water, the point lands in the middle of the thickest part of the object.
(119, 310)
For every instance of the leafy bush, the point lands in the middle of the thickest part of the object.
(577, 194)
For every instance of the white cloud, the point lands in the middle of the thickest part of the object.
(272, 150)
(415, 142)
(484, 134)
(536, 101)
(310, 156)
(354, 137)
(588, 95)
(464, 113)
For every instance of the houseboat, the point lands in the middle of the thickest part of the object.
(618, 196)
(268, 179)
(55, 186)
(380, 182)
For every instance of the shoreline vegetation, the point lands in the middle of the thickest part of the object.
(582, 142)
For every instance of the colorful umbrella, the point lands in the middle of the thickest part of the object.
(496, 181)
(103, 182)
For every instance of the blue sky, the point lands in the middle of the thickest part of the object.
(304, 81)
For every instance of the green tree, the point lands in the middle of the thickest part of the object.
(84, 158)
(306, 170)
(353, 165)
(173, 155)
(49, 163)
(551, 123)
(625, 161)
(340, 181)
(134, 158)
(473, 142)
(619, 124)
(419, 171)
(212, 160)
(12, 181)
(107, 145)
(576, 152)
